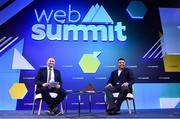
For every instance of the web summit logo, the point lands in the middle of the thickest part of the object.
(97, 23)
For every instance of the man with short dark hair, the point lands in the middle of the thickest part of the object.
(44, 80)
(121, 80)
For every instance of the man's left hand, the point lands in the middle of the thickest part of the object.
(58, 86)
(125, 84)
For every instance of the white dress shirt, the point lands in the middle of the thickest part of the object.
(119, 72)
(52, 75)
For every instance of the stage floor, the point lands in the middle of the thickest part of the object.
(164, 113)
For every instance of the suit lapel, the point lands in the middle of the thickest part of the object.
(116, 74)
(122, 72)
(54, 75)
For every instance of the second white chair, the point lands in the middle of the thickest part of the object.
(129, 97)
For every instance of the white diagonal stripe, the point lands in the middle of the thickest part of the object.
(7, 40)
(154, 51)
(158, 54)
(2, 38)
(151, 48)
(8, 44)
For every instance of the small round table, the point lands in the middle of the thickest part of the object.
(89, 93)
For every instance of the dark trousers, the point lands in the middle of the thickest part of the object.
(52, 102)
(111, 100)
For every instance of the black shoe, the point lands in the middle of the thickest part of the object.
(48, 112)
(113, 112)
(117, 110)
(109, 110)
(55, 110)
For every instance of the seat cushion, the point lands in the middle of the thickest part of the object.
(38, 96)
(130, 96)
(115, 95)
(53, 95)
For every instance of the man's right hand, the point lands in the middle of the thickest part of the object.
(45, 84)
(108, 85)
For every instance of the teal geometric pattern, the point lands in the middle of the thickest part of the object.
(136, 9)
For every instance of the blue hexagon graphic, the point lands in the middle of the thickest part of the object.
(136, 9)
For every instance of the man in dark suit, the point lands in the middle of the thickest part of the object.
(44, 80)
(121, 80)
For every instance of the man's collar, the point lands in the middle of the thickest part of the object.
(120, 69)
(49, 68)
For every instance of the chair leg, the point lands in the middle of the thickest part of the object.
(66, 103)
(134, 105)
(79, 104)
(33, 108)
(61, 108)
(105, 105)
(105, 102)
(40, 106)
(128, 104)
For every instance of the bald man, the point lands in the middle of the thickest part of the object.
(45, 77)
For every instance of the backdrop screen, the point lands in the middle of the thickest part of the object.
(86, 38)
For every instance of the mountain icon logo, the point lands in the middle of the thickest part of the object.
(97, 15)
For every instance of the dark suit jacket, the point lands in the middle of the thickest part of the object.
(42, 77)
(125, 76)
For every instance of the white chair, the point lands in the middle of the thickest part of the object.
(39, 97)
(129, 96)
